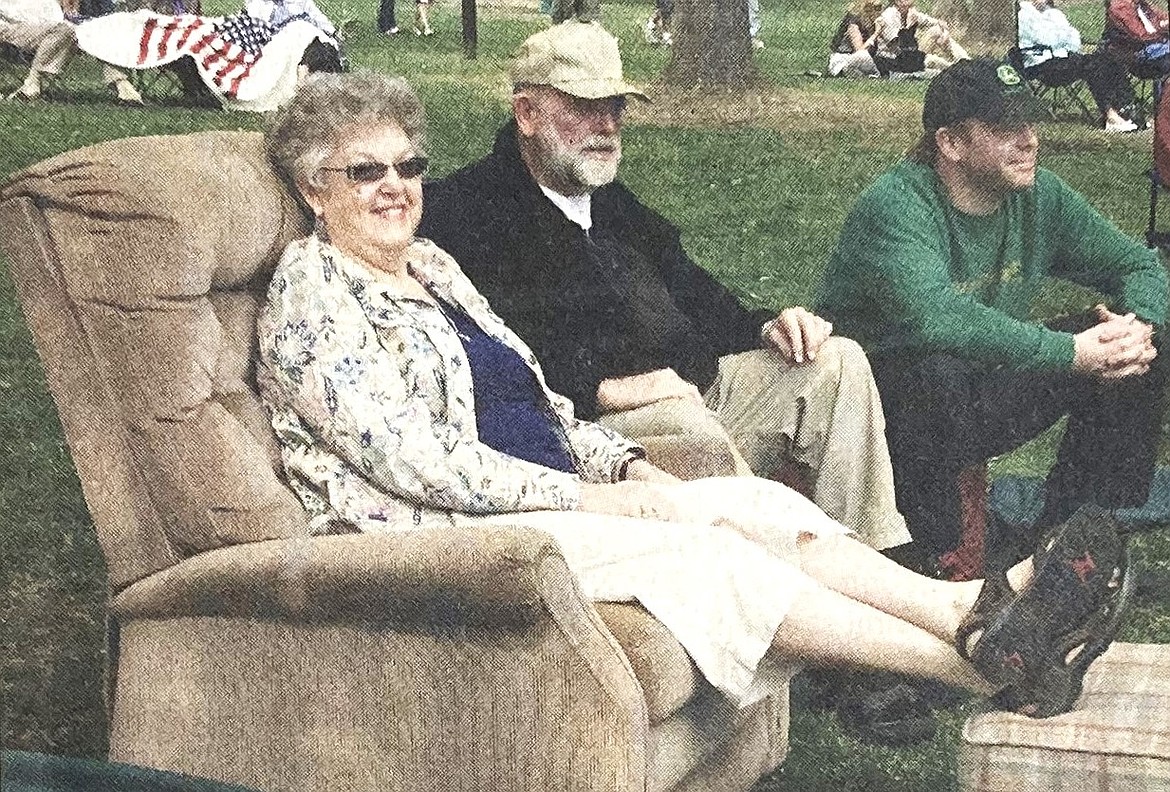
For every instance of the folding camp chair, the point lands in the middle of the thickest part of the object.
(1145, 76)
(1062, 92)
(1060, 89)
(1160, 173)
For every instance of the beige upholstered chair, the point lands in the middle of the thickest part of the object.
(249, 652)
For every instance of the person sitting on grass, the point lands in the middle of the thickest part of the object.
(1051, 50)
(400, 399)
(935, 272)
(39, 28)
(850, 50)
(908, 40)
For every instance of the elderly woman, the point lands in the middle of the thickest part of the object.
(849, 51)
(1051, 51)
(399, 400)
(908, 40)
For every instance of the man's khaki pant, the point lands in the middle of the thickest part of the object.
(53, 45)
(825, 415)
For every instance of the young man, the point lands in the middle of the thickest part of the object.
(624, 323)
(935, 274)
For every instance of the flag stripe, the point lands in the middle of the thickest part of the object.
(144, 43)
(227, 52)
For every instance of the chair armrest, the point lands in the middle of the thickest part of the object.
(447, 577)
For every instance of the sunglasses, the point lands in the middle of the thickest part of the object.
(370, 172)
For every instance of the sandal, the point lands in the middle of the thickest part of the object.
(993, 597)
(1055, 688)
(1072, 601)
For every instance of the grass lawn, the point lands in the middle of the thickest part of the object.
(759, 183)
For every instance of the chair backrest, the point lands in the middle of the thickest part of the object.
(140, 264)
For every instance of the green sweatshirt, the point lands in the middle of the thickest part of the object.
(912, 272)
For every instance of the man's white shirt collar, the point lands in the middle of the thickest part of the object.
(578, 208)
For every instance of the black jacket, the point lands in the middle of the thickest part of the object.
(623, 299)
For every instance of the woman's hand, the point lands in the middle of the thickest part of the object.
(629, 499)
(641, 470)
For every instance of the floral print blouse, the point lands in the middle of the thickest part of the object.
(370, 395)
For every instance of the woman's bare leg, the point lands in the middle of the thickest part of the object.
(857, 572)
(827, 628)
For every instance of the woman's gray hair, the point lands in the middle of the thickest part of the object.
(301, 135)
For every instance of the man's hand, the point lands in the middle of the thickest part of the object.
(642, 470)
(797, 334)
(637, 390)
(629, 499)
(1120, 346)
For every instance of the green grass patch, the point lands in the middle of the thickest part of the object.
(760, 200)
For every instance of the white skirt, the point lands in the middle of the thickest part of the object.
(721, 582)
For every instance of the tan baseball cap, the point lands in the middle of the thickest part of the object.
(579, 58)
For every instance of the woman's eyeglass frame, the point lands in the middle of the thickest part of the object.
(372, 171)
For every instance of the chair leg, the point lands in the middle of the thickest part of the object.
(966, 561)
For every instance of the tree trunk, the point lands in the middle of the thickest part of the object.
(711, 45)
(956, 14)
(993, 20)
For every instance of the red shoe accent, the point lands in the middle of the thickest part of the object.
(959, 564)
(1083, 567)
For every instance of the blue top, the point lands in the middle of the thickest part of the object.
(512, 414)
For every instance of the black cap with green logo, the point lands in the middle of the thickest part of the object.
(984, 89)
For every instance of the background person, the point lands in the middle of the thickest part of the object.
(422, 18)
(1137, 30)
(1051, 51)
(400, 399)
(661, 22)
(387, 24)
(850, 54)
(633, 331)
(275, 14)
(278, 13)
(903, 31)
(39, 27)
(580, 10)
(934, 274)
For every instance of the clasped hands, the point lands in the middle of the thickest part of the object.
(1118, 346)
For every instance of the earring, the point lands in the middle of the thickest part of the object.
(320, 230)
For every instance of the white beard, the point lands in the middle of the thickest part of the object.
(573, 166)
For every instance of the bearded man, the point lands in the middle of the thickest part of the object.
(624, 323)
(936, 274)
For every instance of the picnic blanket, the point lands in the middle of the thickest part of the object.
(1018, 500)
(248, 66)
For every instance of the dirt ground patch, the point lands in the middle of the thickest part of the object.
(780, 109)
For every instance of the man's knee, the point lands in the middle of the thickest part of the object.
(844, 355)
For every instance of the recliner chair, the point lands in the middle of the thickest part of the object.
(245, 650)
